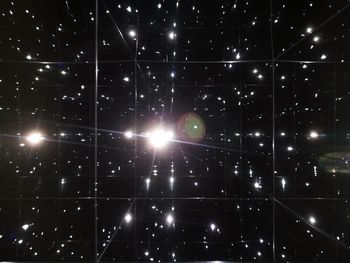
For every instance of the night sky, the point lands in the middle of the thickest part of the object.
(170, 131)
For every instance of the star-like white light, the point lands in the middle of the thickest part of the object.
(290, 148)
(132, 33)
(159, 138)
(128, 134)
(35, 138)
(172, 35)
(169, 219)
(128, 218)
(312, 220)
(126, 79)
(25, 227)
(212, 227)
(313, 135)
(309, 30)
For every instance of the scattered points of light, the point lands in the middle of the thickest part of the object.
(323, 57)
(309, 30)
(63, 72)
(290, 148)
(20, 241)
(159, 6)
(132, 33)
(29, 57)
(312, 220)
(255, 71)
(171, 179)
(159, 138)
(34, 138)
(126, 79)
(128, 134)
(146, 253)
(172, 74)
(212, 227)
(283, 134)
(127, 218)
(260, 76)
(257, 134)
(314, 135)
(128, 9)
(316, 39)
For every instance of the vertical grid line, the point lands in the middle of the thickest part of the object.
(95, 132)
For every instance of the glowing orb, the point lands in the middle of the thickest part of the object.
(35, 138)
(159, 138)
(192, 127)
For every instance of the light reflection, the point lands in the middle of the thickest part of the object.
(35, 138)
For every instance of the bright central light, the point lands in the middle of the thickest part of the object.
(127, 218)
(34, 138)
(128, 134)
(159, 138)
(313, 135)
(169, 219)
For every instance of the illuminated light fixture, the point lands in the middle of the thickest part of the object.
(132, 33)
(171, 179)
(159, 138)
(35, 138)
(128, 218)
(212, 227)
(128, 134)
(313, 135)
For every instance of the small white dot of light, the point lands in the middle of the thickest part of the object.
(173, 255)
(283, 134)
(171, 35)
(312, 220)
(212, 227)
(126, 79)
(25, 227)
(169, 219)
(34, 138)
(316, 39)
(261, 144)
(22, 144)
(128, 134)
(132, 33)
(257, 134)
(238, 56)
(148, 181)
(29, 57)
(128, 9)
(146, 253)
(63, 72)
(261, 240)
(259, 253)
(171, 179)
(307, 184)
(283, 256)
(283, 182)
(20, 241)
(127, 218)
(283, 77)
(289, 148)
(313, 135)
(255, 71)
(257, 185)
(260, 76)
(63, 181)
(172, 74)
(323, 56)
(309, 30)
(62, 134)
(195, 183)
(159, 6)
(58, 251)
